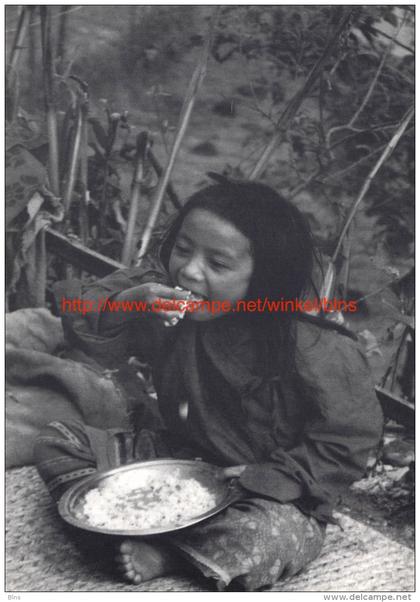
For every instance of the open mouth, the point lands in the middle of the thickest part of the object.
(192, 295)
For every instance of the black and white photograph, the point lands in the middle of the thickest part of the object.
(209, 299)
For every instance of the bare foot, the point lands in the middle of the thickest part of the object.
(140, 561)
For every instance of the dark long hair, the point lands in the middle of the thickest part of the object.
(283, 253)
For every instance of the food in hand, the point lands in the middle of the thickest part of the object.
(174, 321)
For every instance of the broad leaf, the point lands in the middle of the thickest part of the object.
(24, 176)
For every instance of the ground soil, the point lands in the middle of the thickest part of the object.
(393, 519)
(384, 499)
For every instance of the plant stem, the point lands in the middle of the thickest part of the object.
(359, 110)
(347, 260)
(13, 64)
(33, 51)
(74, 159)
(366, 185)
(328, 285)
(186, 111)
(83, 211)
(143, 149)
(396, 42)
(62, 35)
(170, 189)
(112, 134)
(321, 172)
(49, 91)
(290, 111)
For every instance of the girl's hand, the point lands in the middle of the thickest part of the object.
(233, 471)
(154, 294)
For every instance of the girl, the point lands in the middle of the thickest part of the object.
(283, 401)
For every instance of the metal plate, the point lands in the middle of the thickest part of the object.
(70, 505)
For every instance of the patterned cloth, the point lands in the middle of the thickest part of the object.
(251, 544)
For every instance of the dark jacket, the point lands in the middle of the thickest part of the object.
(303, 438)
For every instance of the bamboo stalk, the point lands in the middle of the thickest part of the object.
(296, 101)
(17, 48)
(327, 287)
(66, 138)
(83, 212)
(328, 283)
(49, 91)
(62, 34)
(113, 121)
(186, 111)
(74, 159)
(33, 52)
(13, 64)
(170, 189)
(143, 148)
(347, 245)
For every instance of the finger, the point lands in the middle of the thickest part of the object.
(167, 292)
(233, 471)
(172, 322)
(168, 316)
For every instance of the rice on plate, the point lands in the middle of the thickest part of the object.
(139, 501)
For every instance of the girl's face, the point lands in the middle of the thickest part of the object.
(212, 259)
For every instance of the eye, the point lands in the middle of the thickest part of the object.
(217, 265)
(181, 249)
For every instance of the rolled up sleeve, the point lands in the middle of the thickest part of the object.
(98, 338)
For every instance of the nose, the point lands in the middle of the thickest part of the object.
(192, 270)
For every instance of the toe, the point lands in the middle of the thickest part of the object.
(124, 562)
(130, 575)
(137, 579)
(126, 547)
(121, 558)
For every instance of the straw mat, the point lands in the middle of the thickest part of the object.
(41, 557)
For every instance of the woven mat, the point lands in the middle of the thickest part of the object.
(40, 557)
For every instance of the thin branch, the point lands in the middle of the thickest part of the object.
(160, 121)
(186, 111)
(378, 290)
(336, 65)
(327, 287)
(296, 101)
(320, 173)
(397, 43)
(366, 185)
(321, 108)
(351, 123)
(370, 130)
(170, 189)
